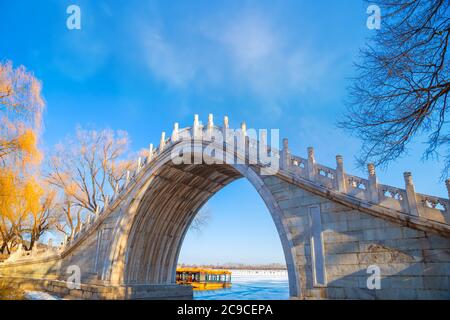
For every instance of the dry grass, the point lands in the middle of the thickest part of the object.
(10, 293)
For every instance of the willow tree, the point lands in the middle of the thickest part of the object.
(400, 92)
(21, 107)
(39, 210)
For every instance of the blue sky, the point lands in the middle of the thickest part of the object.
(142, 65)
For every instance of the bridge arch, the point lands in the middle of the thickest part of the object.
(149, 237)
(332, 227)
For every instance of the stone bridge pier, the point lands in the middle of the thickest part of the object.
(343, 236)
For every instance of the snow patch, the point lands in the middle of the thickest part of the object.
(38, 295)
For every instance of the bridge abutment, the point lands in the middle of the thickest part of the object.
(413, 264)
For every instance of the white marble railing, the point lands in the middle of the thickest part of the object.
(21, 254)
(369, 190)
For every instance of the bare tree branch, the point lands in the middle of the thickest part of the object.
(400, 90)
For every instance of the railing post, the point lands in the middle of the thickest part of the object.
(262, 146)
(139, 163)
(311, 164)
(340, 175)
(244, 129)
(241, 143)
(285, 155)
(373, 184)
(411, 194)
(210, 127)
(150, 153)
(225, 129)
(195, 128)
(174, 137)
(162, 142)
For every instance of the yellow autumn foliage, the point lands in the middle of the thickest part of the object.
(21, 191)
(8, 193)
(27, 143)
(32, 192)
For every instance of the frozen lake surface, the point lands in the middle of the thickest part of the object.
(249, 289)
(38, 295)
(246, 285)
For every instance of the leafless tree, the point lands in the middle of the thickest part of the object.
(401, 87)
(41, 220)
(86, 170)
(68, 216)
(84, 167)
(201, 220)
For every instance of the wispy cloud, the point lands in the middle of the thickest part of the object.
(244, 54)
(167, 61)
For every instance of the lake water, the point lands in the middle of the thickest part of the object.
(259, 289)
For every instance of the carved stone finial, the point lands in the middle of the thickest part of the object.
(339, 161)
(340, 174)
(150, 152)
(225, 122)
(371, 169)
(210, 126)
(195, 127)
(210, 120)
(311, 164)
(311, 152)
(244, 129)
(174, 136)
(225, 128)
(163, 141)
(408, 178)
(411, 194)
(139, 164)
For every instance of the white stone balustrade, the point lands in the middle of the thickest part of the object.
(369, 190)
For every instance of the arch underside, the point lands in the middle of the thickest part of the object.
(165, 212)
(169, 205)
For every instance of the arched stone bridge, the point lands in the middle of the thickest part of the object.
(336, 229)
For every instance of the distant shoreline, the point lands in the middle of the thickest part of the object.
(278, 267)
